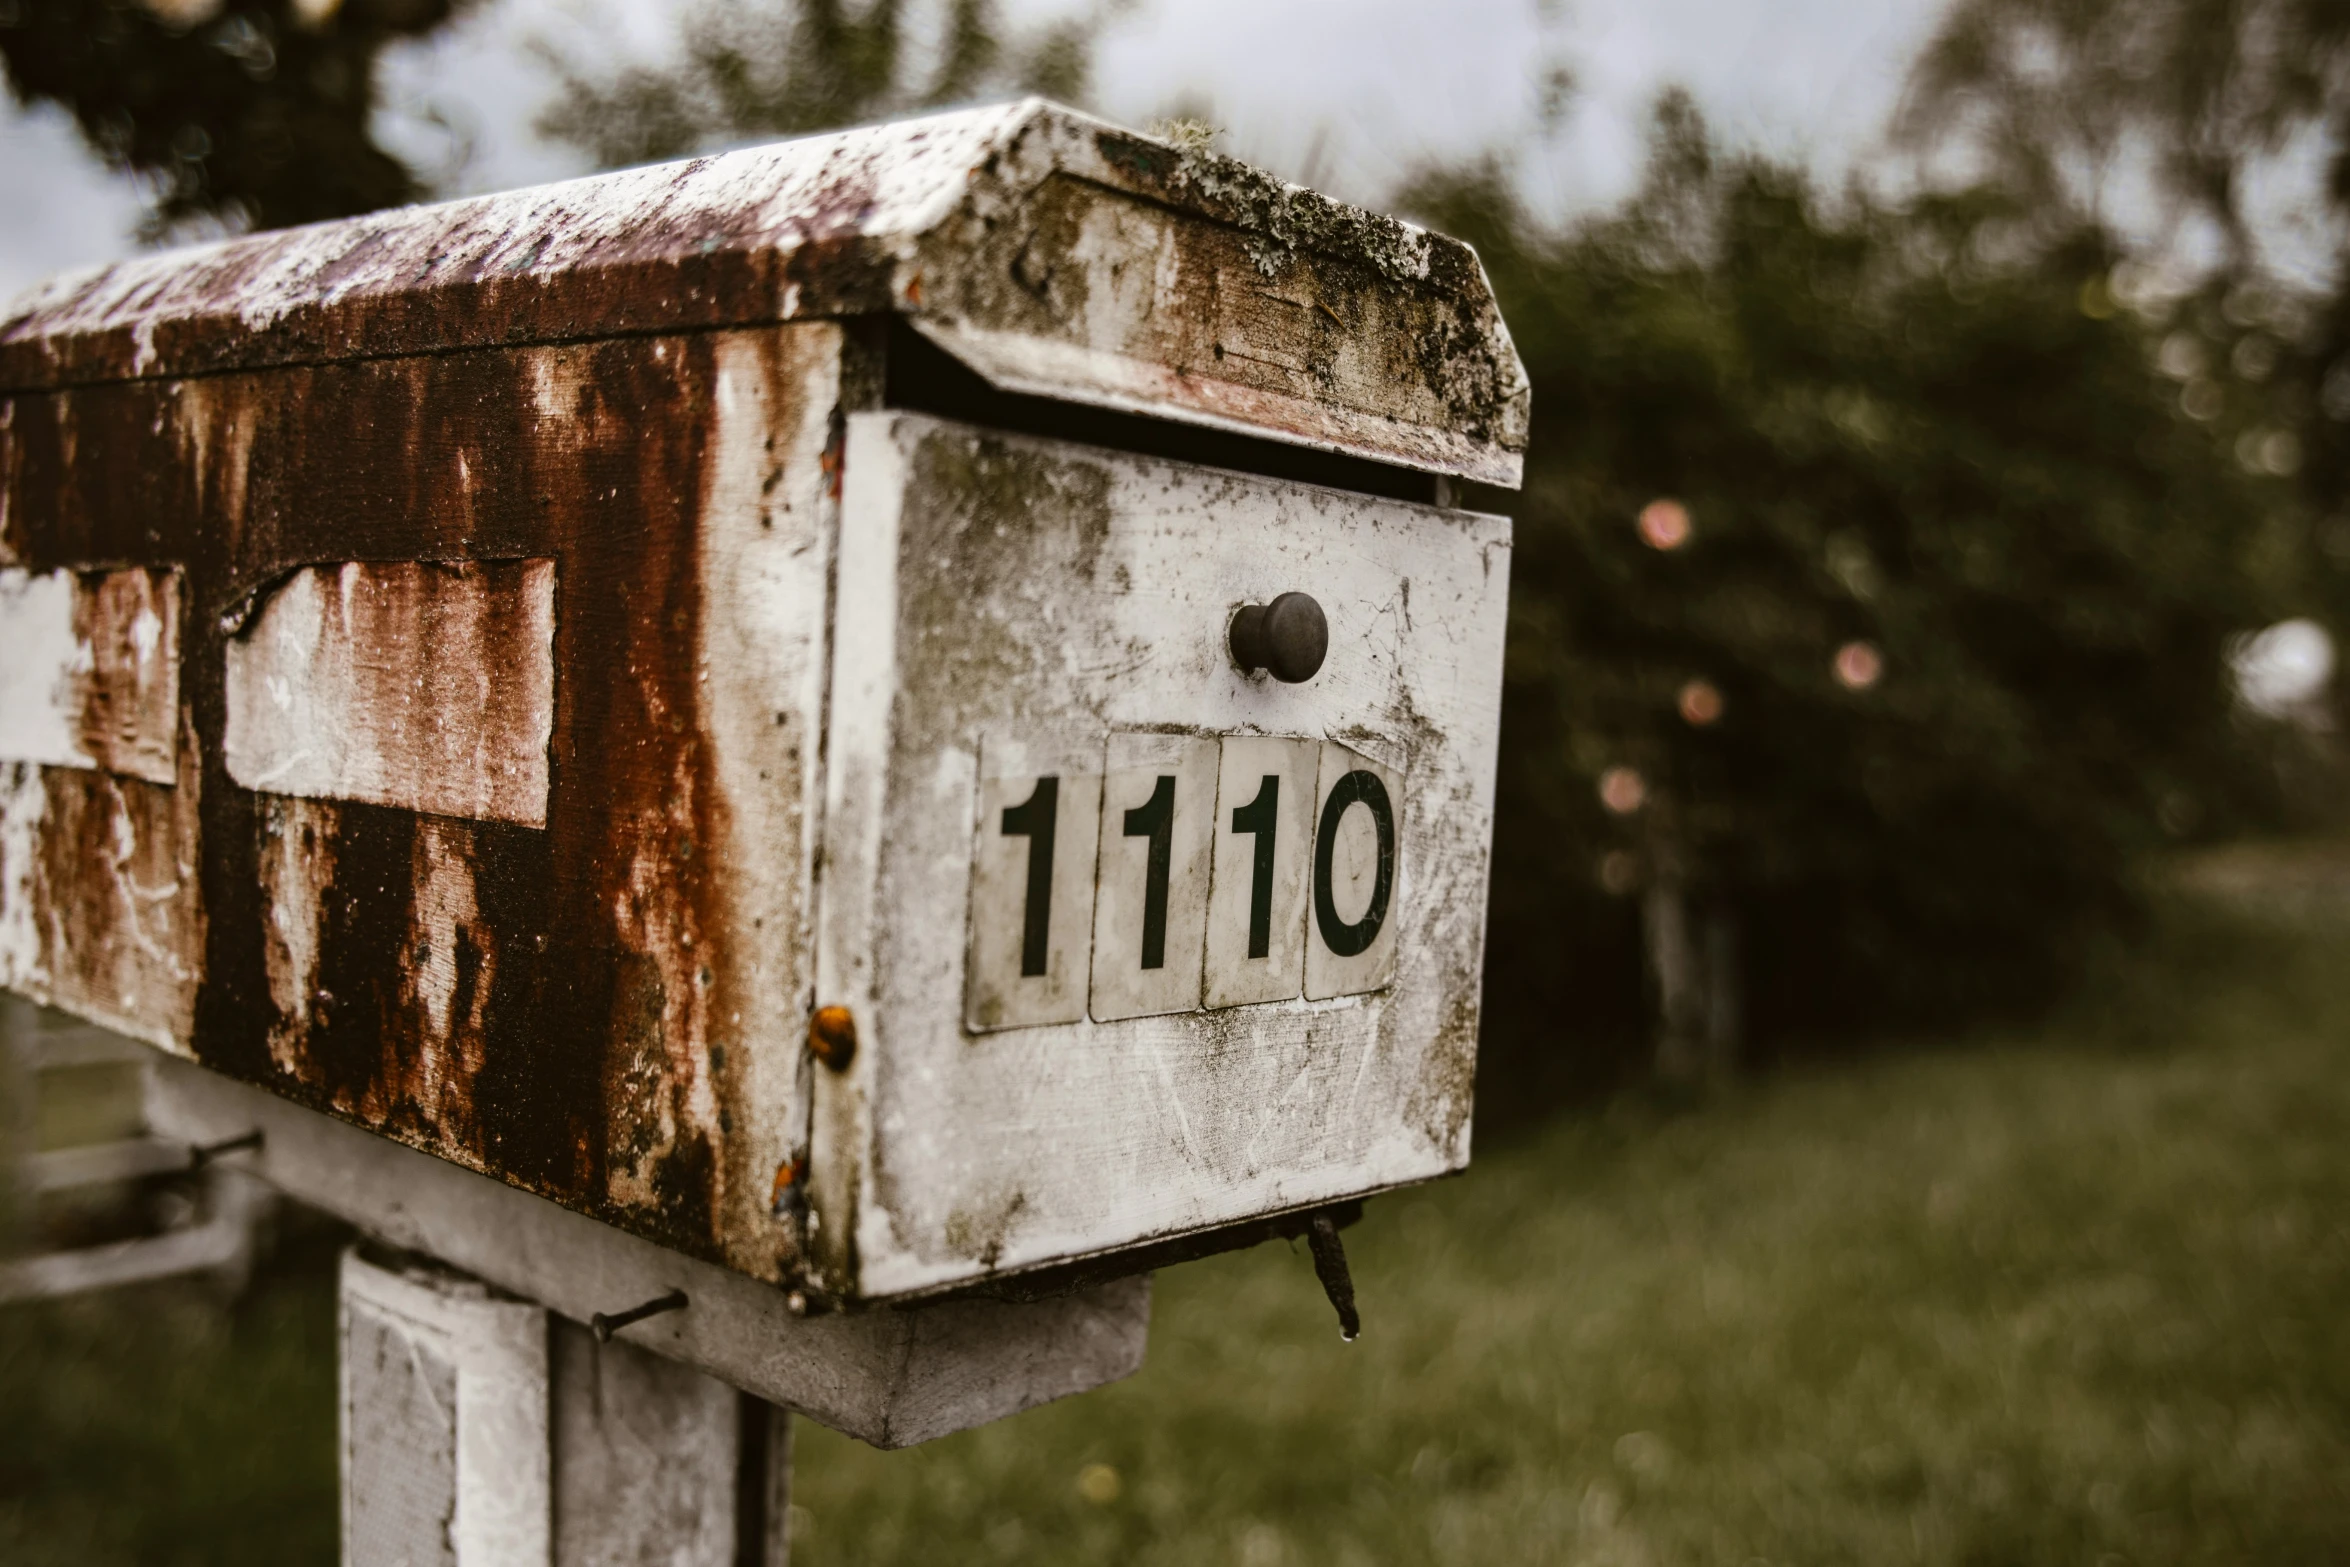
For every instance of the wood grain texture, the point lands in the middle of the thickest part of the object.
(578, 680)
(100, 909)
(422, 685)
(444, 1422)
(91, 673)
(611, 557)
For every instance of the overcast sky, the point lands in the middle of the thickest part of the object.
(1348, 94)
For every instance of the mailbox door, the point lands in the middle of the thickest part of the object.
(1139, 944)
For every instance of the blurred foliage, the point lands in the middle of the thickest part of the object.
(1906, 447)
(168, 1426)
(2064, 1296)
(793, 67)
(2233, 116)
(247, 115)
(2054, 95)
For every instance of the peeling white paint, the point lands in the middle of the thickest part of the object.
(879, 632)
(40, 707)
(23, 807)
(297, 848)
(767, 521)
(91, 676)
(422, 686)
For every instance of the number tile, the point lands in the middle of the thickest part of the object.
(1356, 876)
(1032, 872)
(1151, 905)
(1258, 885)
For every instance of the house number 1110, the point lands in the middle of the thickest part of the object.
(1168, 873)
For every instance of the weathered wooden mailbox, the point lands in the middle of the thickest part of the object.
(904, 714)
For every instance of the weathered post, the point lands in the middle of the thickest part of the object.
(482, 1429)
(824, 754)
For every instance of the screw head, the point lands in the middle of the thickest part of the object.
(787, 1200)
(832, 1037)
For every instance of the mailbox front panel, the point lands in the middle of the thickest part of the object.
(1140, 945)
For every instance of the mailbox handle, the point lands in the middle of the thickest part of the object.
(1287, 638)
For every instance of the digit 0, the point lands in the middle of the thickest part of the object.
(1364, 789)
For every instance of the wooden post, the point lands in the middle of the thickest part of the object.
(1676, 972)
(483, 1431)
(1692, 949)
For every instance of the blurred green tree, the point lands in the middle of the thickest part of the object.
(2227, 122)
(1868, 613)
(251, 115)
(793, 67)
(2063, 99)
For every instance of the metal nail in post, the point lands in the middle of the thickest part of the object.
(1287, 638)
(202, 1154)
(606, 1326)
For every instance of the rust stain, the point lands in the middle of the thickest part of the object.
(832, 1037)
(110, 899)
(425, 685)
(549, 1004)
(129, 692)
(787, 1196)
(1027, 222)
(91, 677)
(791, 231)
(396, 1047)
(98, 864)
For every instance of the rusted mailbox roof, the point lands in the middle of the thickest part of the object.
(1050, 252)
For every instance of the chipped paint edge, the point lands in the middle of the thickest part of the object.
(1021, 363)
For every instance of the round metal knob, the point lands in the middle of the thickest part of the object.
(1286, 638)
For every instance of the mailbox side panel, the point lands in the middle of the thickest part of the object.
(587, 978)
(1074, 602)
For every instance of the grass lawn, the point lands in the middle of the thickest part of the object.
(2073, 1294)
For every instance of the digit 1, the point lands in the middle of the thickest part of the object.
(1034, 819)
(1154, 819)
(1258, 818)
